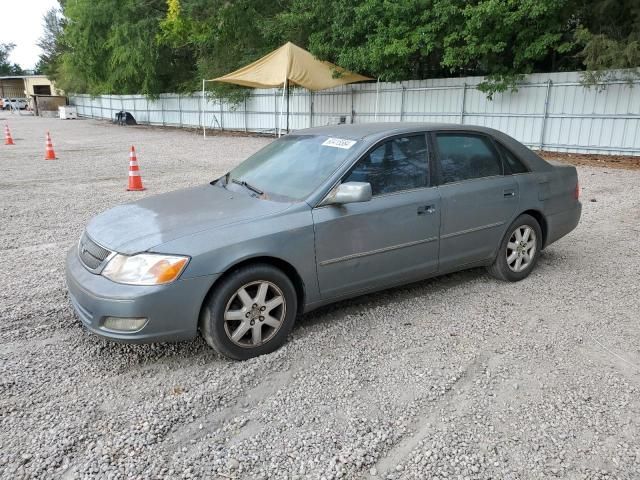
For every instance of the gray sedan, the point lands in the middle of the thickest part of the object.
(317, 216)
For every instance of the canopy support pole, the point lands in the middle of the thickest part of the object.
(204, 129)
(288, 93)
(202, 109)
(284, 91)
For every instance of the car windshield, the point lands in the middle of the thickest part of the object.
(292, 167)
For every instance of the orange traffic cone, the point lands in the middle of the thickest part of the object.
(7, 136)
(49, 154)
(135, 181)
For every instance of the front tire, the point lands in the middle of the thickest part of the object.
(250, 313)
(518, 251)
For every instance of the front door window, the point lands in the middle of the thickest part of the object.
(396, 165)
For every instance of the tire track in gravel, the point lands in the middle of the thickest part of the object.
(398, 453)
(209, 423)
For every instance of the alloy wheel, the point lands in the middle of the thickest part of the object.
(521, 248)
(254, 313)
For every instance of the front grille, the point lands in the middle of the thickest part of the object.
(91, 254)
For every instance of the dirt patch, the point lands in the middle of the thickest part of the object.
(625, 162)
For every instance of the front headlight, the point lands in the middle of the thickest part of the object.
(145, 268)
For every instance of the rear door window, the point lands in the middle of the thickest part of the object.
(465, 156)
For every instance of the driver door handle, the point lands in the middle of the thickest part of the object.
(426, 209)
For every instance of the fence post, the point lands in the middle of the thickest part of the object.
(404, 89)
(201, 112)
(246, 128)
(180, 110)
(544, 116)
(377, 97)
(351, 114)
(464, 97)
(162, 109)
(148, 111)
(110, 107)
(275, 111)
(310, 109)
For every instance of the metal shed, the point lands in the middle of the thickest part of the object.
(25, 86)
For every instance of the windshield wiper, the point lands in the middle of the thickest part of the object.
(247, 185)
(217, 180)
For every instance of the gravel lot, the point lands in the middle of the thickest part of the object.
(457, 377)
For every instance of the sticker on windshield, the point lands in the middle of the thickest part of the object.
(339, 143)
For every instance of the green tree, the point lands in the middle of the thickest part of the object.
(154, 46)
(6, 67)
(227, 35)
(380, 38)
(609, 33)
(413, 39)
(112, 46)
(505, 40)
(50, 42)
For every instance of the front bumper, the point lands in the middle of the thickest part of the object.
(172, 309)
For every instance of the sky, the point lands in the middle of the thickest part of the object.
(22, 25)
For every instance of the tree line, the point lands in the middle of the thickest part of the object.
(6, 67)
(155, 46)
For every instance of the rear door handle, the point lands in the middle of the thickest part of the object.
(426, 209)
(509, 193)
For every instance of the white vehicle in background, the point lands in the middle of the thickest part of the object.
(19, 103)
(14, 103)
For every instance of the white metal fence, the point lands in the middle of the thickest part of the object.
(550, 111)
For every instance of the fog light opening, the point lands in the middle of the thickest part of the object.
(124, 324)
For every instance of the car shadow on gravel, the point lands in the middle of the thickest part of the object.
(411, 291)
(392, 295)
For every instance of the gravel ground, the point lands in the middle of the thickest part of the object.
(457, 377)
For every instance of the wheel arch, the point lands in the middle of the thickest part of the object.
(542, 221)
(288, 269)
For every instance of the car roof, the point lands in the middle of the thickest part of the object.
(362, 131)
(372, 132)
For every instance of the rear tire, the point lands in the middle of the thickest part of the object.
(250, 312)
(518, 251)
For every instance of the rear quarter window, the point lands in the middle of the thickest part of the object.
(513, 162)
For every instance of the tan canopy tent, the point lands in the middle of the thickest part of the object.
(291, 64)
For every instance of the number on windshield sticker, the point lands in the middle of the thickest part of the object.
(339, 143)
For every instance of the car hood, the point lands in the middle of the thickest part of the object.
(139, 226)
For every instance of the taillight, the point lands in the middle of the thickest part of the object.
(576, 194)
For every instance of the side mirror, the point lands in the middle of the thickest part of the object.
(350, 192)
